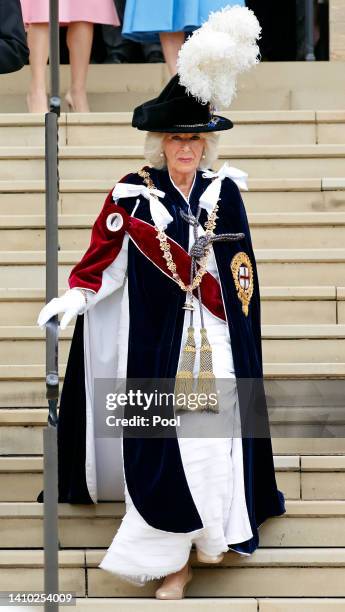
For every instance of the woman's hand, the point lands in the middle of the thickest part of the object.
(70, 303)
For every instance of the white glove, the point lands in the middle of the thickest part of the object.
(70, 303)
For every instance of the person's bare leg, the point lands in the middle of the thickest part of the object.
(79, 42)
(38, 43)
(171, 44)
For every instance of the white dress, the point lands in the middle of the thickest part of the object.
(214, 473)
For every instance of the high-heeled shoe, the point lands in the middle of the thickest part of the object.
(69, 102)
(203, 558)
(73, 106)
(176, 592)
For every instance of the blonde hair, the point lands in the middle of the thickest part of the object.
(153, 148)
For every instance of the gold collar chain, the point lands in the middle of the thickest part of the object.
(210, 225)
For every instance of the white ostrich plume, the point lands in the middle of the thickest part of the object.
(210, 61)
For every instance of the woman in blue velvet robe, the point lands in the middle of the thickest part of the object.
(211, 492)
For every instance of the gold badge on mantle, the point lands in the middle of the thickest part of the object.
(242, 271)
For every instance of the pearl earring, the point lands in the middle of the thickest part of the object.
(204, 156)
(161, 155)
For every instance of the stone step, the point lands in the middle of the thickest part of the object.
(288, 371)
(281, 343)
(305, 604)
(293, 195)
(251, 127)
(305, 524)
(260, 127)
(231, 576)
(24, 385)
(259, 219)
(220, 584)
(265, 195)
(277, 267)
(207, 604)
(301, 230)
(268, 230)
(21, 477)
(108, 162)
(227, 580)
(283, 408)
(270, 85)
(21, 434)
(299, 477)
(295, 305)
(292, 332)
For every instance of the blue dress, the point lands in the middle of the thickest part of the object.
(144, 19)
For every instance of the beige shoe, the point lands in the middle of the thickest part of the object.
(203, 558)
(69, 101)
(77, 104)
(176, 592)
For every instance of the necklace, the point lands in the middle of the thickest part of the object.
(210, 225)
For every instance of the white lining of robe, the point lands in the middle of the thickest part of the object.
(102, 358)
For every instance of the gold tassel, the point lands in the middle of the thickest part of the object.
(206, 379)
(184, 381)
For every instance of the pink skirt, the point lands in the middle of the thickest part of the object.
(94, 11)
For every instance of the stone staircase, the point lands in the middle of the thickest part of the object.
(296, 209)
(275, 85)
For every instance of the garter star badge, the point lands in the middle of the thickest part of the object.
(242, 272)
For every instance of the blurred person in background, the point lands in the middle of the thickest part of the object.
(79, 15)
(284, 29)
(168, 21)
(321, 30)
(14, 52)
(278, 22)
(121, 50)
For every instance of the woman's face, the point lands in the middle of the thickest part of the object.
(183, 152)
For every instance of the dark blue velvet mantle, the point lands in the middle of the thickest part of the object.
(153, 468)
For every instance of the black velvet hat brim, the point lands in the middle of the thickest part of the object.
(216, 124)
(175, 111)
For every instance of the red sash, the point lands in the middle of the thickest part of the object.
(145, 238)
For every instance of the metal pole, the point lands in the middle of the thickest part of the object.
(50, 522)
(309, 31)
(54, 56)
